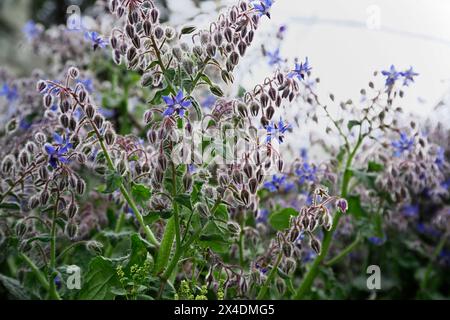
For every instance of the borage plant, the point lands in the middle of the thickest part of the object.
(183, 197)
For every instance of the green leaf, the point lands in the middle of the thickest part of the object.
(157, 98)
(140, 193)
(354, 206)
(221, 212)
(188, 29)
(216, 242)
(166, 246)
(138, 251)
(205, 78)
(374, 167)
(279, 220)
(152, 64)
(197, 107)
(113, 182)
(184, 200)
(14, 287)
(215, 90)
(353, 123)
(100, 278)
(9, 206)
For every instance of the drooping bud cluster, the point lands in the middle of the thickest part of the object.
(291, 241)
(146, 44)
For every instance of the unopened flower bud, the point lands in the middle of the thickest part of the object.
(94, 247)
(110, 137)
(73, 73)
(234, 228)
(71, 229)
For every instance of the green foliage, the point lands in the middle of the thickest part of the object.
(140, 193)
(279, 220)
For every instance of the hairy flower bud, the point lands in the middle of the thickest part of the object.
(98, 121)
(154, 15)
(187, 181)
(248, 169)
(234, 228)
(90, 111)
(159, 32)
(270, 111)
(71, 229)
(81, 186)
(110, 137)
(245, 196)
(315, 244)
(44, 196)
(41, 86)
(94, 247)
(242, 109)
(242, 46)
(202, 209)
(253, 185)
(21, 229)
(254, 108)
(24, 158)
(33, 202)
(7, 163)
(72, 210)
(48, 100)
(73, 73)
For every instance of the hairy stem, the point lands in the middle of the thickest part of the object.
(437, 250)
(328, 235)
(149, 234)
(38, 273)
(344, 252)
(53, 293)
(265, 287)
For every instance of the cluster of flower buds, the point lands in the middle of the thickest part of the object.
(413, 166)
(220, 273)
(310, 218)
(146, 44)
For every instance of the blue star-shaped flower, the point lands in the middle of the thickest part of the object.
(277, 130)
(278, 183)
(440, 157)
(306, 172)
(300, 70)
(391, 75)
(97, 41)
(87, 83)
(58, 153)
(410, 210)
(263, 7)
(10, 92)
(274, 57)
(176, 104)
(262, 216)
(403, 144)
(408, 76)
(31, 30)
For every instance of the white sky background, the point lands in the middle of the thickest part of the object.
(344, 51)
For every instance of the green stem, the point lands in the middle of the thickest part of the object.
(328, 235)
(118, 227)
(149, 234)
(39, 275)
(290, 286)
(436, 252)
(66, 250)
(269, 279)
(53, 293)
(344, 252)
(241, 248)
